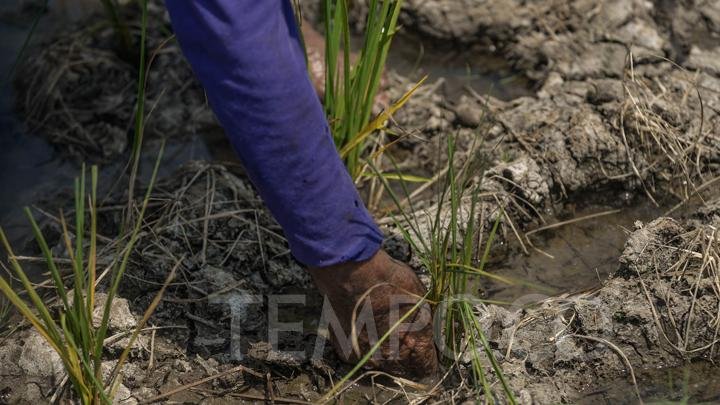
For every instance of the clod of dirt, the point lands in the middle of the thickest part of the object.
(469, 112)
(708, 60)
(29, 369)
(121, 319)
(233, 254)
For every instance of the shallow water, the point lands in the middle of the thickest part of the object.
(480, 71)
(574, 257)
(694, 383)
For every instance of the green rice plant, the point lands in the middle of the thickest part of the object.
(453, 255)
(351, 86)
(69, 329)
(139, 111)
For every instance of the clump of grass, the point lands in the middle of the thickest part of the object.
(450, 248)
(69, 329)
(351, 86)
(663, 131)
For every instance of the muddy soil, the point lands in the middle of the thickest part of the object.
(614, 113)
(626, 104)
(658, 310)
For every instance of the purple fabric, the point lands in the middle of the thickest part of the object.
(248, 57)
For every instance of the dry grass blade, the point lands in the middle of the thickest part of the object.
(563, 223)
(621, 354)
(337, 388)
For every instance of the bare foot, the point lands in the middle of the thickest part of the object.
(393, 290)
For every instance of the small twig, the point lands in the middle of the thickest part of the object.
(151, 362)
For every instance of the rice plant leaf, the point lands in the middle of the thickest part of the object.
(490, 355)
(475, 270)
(92, 257)
(72, 361)
(139, 110)
(401, 177)
(28, 314)
(379, 121)
(45, 249)
(50, 328)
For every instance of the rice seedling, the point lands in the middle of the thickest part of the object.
(449, 246)
(351, 86)
(69, 329)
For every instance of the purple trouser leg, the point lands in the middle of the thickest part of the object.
(249, 59)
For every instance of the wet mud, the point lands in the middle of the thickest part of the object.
(658, 310)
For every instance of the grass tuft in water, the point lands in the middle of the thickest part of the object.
(449, 246)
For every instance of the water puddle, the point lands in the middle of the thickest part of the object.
(461, 68)
(693, 383)
(572, 257)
